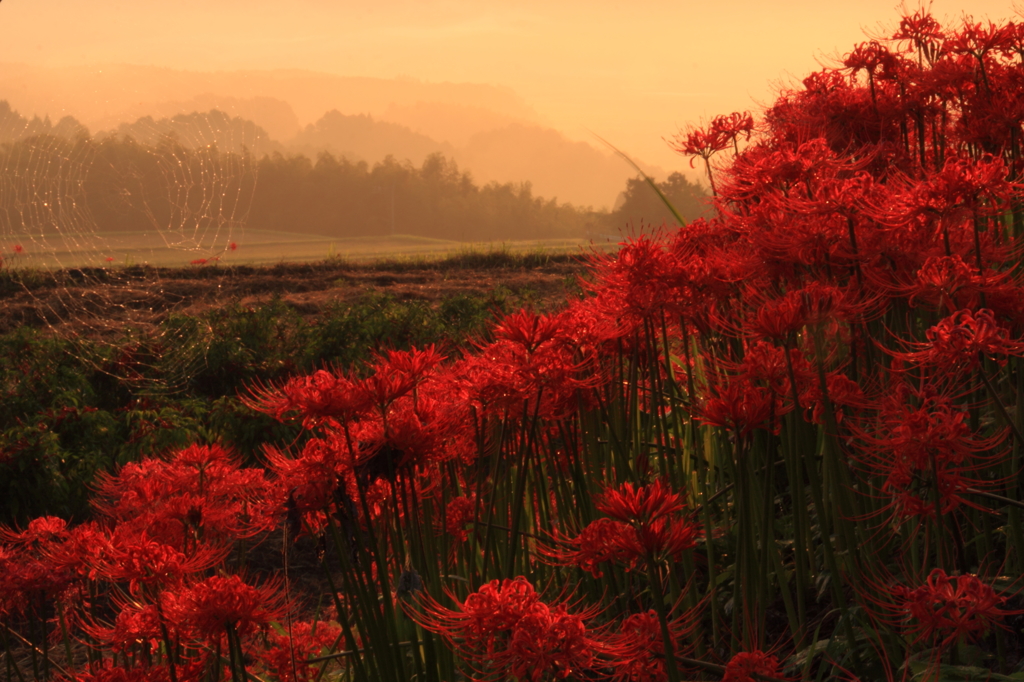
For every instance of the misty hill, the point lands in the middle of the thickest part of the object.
(197, 130)
(158, 178)
(14, 126)
(275, 116)
(555, 165)
(454, 123)
(190, 176)
(361, 138)
(490, 131)
(96, 93)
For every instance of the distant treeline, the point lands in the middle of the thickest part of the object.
(337, 197)
(50, 182)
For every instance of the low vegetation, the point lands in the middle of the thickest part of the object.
(75, 406)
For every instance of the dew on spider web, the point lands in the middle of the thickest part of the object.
(87, 221)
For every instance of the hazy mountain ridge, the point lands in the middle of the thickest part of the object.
(97, 92)
(194, 175)
(490, 131)
(361, 138)
(14, 126)
(201, 129)
(556, 166)
(276, 117)
(453, 123)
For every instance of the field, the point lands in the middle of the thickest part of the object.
(143, 296)
(251, 247)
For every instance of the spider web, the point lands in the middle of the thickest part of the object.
(89, 224)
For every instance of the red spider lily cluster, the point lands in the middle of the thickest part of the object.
(642, 524)
(151, 575)
(950, 608)
(506, 629)
(762, 426)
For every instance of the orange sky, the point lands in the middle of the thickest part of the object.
(633, 72)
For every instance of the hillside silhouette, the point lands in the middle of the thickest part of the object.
(197, 130)
(490, 131)
(361, 138)
(193, 174)
(14, 126)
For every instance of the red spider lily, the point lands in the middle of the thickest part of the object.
(199, 493)
(486, 381)
(812, 304)
(417, 432)
(593, 329)
(818, 242)
(951, 284)
(780, 317)
(653, 514)
(135, 625)
(287, 653)
(978, 40)
(705, 262)
(742, 407)
(40, 531)
(485, 617)
(28, 582)
(639, 504)
(416, 364)
(505, 628)
(923, 32)
(968, 182)
(319, 396)
(528, 330)
(78, 550)
(652, 277)
(948, 209)
(764, 171)
(639, 647)
(141, 561)
(766, 363)
(210, 606)
(382, 388)
(962, 339)
(635, 285)
(533, 367)
(871, 57)
(923, 448)
(549, 641)
(46, 561)
(948, 609)
(458, 514)
(747, 665)
(601, 540)
(842, 392)
(308, 481)
(722, 132)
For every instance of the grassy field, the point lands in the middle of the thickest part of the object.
(251, 247)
